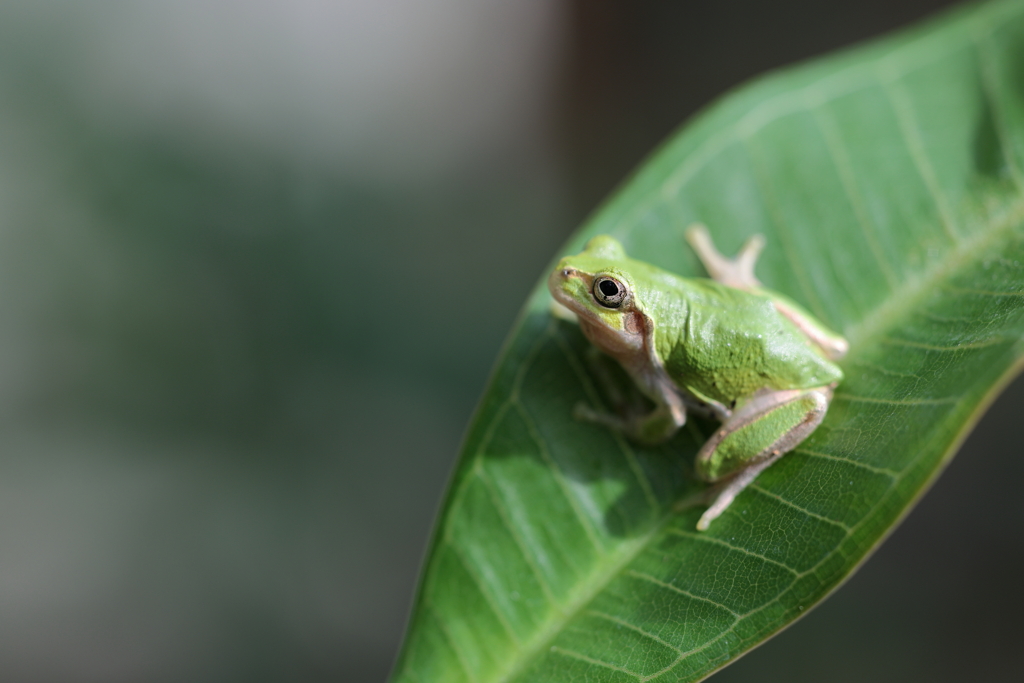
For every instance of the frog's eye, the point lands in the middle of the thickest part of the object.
(609, 292)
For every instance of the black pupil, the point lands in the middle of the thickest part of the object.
(608, 288)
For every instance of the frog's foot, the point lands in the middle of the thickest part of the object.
(725, 492)
(735, 272)
(759, 432)
(631, 412)
(649, 429)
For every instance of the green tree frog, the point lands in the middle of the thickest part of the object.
(725, 347)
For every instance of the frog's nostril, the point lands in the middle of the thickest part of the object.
(568, 272)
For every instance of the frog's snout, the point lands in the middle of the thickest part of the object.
(560, 275)
(558, 279)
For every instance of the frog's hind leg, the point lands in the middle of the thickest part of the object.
(735, 272)
(738, 273)
(731, 488)
(758, 433)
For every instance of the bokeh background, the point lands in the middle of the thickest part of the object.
(256, 260)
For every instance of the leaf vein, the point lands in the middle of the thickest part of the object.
(634, 628)
(590, 660)
(663, 584)
(796, 264)
(577, 501)
(776, 497)
(704, 538)
(898, 402)
(982, 292)
(528, 552)
(627, 450)
(571, 496)
(689, 653)
(980, 344)
(883, 370)
(846, 173)
(905, 118)
(855, 463)
(485, 591)
(446, 635)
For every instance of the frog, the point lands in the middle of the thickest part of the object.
(723, 347)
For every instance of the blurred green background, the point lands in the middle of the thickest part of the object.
(256, 260)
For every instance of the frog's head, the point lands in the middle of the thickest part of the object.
(597, 286)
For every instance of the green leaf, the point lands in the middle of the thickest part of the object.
(888, 181)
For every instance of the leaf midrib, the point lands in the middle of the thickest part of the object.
(918, 286)
(626, 553)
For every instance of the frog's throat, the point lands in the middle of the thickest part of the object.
(626, 344)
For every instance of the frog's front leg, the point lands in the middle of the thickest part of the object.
(648, 427)
(671, 402)
(758, 433)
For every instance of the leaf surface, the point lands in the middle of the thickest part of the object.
(888, 182)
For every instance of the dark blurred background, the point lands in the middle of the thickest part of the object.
(256, 260)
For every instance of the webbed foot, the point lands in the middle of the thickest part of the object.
(735, 272)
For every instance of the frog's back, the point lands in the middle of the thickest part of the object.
(724, 344)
